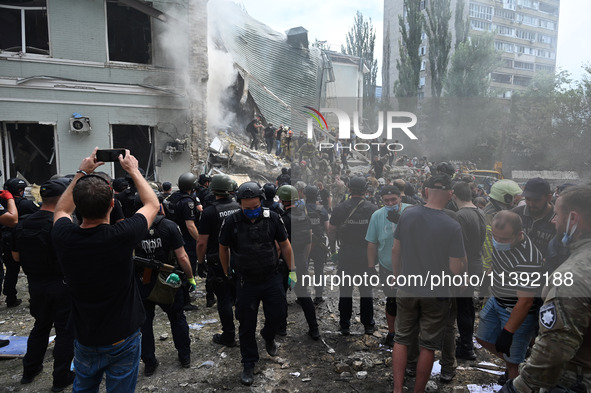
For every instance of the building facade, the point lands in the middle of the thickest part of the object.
(526, 33)
(114, 74)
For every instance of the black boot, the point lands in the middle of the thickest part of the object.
(247, 377)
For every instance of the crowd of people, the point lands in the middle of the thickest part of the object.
(251, 243)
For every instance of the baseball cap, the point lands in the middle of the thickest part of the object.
(52, 188)
(442, 179)
(504, 187)
(390, 190)
(536, 188)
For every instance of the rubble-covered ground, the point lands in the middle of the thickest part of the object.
(357, 363)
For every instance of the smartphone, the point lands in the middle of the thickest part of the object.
(109, 155)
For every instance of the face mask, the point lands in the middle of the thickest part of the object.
(252, 213)
(393, 208)
(501, 246)
(566, 239)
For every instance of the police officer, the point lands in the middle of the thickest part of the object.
(250, 236)
(128, 196)
(208, 255)
(560, 360)
(24, 207)
(182, 207)
(164, 243)
(299, 230)
(348, 224)
(202, 190)
(50, 301)
(319, 220)
(270, 191)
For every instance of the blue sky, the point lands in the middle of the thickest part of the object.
(331, 20)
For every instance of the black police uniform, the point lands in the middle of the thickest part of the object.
(128, 200)
(50, 301)
(299, 228)
(273, 206)
(210, 223)
(205, 196)
(318, 253)
(352, 219)
(24, 208)
(161, 240)
(252, 247)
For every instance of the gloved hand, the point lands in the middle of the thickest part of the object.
(192, 284)
(508, 387)
(6, 195)
(504, 341)
(201, 270)
(292, 279)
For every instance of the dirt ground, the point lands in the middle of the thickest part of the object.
(357, 363)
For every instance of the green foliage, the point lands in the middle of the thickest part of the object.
(462, 26)
(437, 28)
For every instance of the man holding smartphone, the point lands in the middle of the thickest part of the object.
(96, 259)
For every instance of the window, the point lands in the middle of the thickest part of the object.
(481, 11)
(547, 39)
(528, 20)
(501, 78)
(504, 46)
(423, 4)
(421, 82)
(138, 139)
(509, 4)
(525, 35)
(422, 51)
(547, 24)
(32, 37)
(526, 50)
(423, 36)
(521, 80)
(529, 4)
(507, 63)
(546, 54)
(523, 66)
(548, 9)
(505, 30)
(544, 68)
(480, 25)
(129, 34)
(423, 65)
(505, 14)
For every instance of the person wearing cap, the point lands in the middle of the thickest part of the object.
(120, 184)
(537, 213)
(166, 189)
(50, 302)
(504, 195)
(423, 312)
(15, 187)
(380, 240)
(348, 224)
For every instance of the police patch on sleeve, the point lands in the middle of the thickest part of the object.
(548, 315)
(191, 205)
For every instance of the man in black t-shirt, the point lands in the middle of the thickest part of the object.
(50, 302)
(252, 129)
(8, 219)
(96, 259)
(269, 137)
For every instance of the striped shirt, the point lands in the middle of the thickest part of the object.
(518, 269)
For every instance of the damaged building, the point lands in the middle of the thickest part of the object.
(108, 73)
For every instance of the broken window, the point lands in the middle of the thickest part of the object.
(29, 151)
(129, 34)
(138, 139)
(23, 26)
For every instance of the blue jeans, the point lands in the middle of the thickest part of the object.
(119, 362)
(277, 148)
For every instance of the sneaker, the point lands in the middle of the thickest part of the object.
(210, 302)
(318, 300)
(370, 329)
(28, 378)
(219, 339)
(150, 369)
(190, 307)
(247, 377)
(13, 303)
(314, 333)
(271, 347)
(56, 388)
(446, 377)
(389, 340)
(345, 331)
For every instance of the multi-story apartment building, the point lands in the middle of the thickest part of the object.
(525, 32)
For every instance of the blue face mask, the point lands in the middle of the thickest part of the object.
(252, 213)
(393, 208)
(566, 239)
(501, 246)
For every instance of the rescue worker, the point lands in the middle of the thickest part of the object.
(348, 224)
(251, 236)
(560, 359)
(163, 242)
(307, 152)
(299, 232)
(50, 302)
(24, 207)
(319, 251)
(208, 255)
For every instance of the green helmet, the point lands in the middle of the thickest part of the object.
(221, 184)
(288, 193)
(234, 185)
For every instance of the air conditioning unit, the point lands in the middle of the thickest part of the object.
(79, 125)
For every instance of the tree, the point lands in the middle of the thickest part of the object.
(462, 26)
(409, 64)
(361, 42)
(439, 37)
(323, 45)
